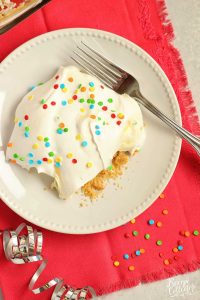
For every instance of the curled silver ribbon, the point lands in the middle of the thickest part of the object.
(22, 249)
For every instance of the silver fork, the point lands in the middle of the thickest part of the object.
(122, 82)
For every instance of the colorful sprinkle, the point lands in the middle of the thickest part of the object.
(43, 101)
(159, 243)
(116, 263)
(126, 256)
(100, 103)
(70, 101)
(27, 128)
(127, 235)
(57, 164)
(30, 97)
(74, 97)
(65, 129)
(187, 234)
(26, 134)
(46, 139)
(45, 106)
(132, 221)
(51, 154)
(50, 161)
(56, 86)
(45, 159)
(196, 232)
(92, 106)
(151, 222)
(84, 144)
(147, 236)
(110, 100)
(74, 161)
(113, 116)
(110, 168)
(22, 158)
(135, 233)
(20, 124)
(104, 108)
(47, 144)
(64, 103)
(166, 262)
(26, 117)
(10, 145)
(31, 162)
(39, 162)
(165, 212)
(62, 125)
(91, 84)
(30, 154)
(53, 103)
(64, 90)
(131, 268)
(83, 89)
(142, 250)
(69, 155)
(81, 100)
(89, 165)
(82, 110)
(35, 146)
(162, 196)
(57, 76)
(62, 85)
(175, 250)
(59, 131)
(180, 247)
(120, 116)
(97, 127)
(98, 132)
(159, 224)
(118, 123)
(40, 138)
(78, 137)
(137, 253)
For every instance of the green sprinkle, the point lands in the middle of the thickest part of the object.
(92, 101)
(46, 139)
(135, 233)
(147, 236)
(40, 83)
(27, 128)
(110, 168)
(196, 232)
(51, 153)
(43, 101)
(159, 243)
(15, 155)
(88, 100)
(22, 158)
(110, 100)
(79, 86)
(99, 119)
(81, 100)
(104, 123)
(100, 103)
(66, 129)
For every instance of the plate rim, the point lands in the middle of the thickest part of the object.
(176, 144)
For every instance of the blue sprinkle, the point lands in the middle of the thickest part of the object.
(59, 131)
(39, 162)
(126, 256)
(180, 247)
(137, 252)
(47, 144)
(98, 132)
(91, 84)
(20, 124)
(26, 134)
(97, 127)
(91, 106)
(62, 86)
(151, 222)
(84, 144)
(31, 162)
(30, 154)
(64, 103)
(57, 164)
(32, 87)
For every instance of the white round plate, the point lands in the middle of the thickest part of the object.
(148, 172)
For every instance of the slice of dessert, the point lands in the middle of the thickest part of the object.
(72, 128)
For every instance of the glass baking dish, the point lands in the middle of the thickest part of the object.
(14, 11)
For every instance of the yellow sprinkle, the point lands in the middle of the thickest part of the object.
(92, 89)
(69, 155)
(116, 263)
(64, 90)
(78, 137)
(16, 120)
(70, 101)
(58, 159)
(132, 221)
(40, 138)
(76, 92)
(30, 97)
(35, 146)
(82, 110)
(50, 160)
(120, 116)
(89, 164)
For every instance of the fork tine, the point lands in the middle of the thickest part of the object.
(91, 72)
(108, 77)
(118, 69)
(103, 65)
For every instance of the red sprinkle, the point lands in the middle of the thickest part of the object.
(180, 242)
(104, 108)
(127, 235)
(57, 77)
(176, 257)
(56, 86)
(74, 161)
(119, 122)
(53, 103)
(45, 159)
(45, 106)
(170, 260)
(113, 116)
(102, 86)
(75, 97)
(26, 117)
(161, 254)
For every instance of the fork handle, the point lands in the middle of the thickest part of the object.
(193, 140)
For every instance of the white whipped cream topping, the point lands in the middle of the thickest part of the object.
(61, 133)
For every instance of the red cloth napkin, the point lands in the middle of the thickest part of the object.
(88, 259)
